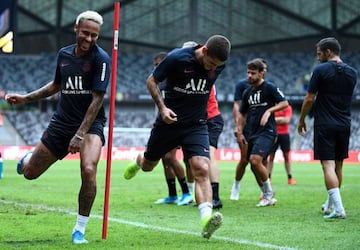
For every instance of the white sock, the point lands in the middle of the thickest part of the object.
(262, 189)
(191, 187)
(81, 222)
(237, 184)
(334, 195)
(205, 210)
(328, 203)
(137, 160)
(27, 158)
(267, 190)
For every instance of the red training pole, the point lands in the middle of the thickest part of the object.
(111, 115)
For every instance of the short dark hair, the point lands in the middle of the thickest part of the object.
(256, 64)
(160, 55)
(329, 43)
(218, 47)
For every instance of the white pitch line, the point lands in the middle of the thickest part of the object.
(146, 226)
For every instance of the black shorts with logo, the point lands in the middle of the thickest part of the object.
(261, 145)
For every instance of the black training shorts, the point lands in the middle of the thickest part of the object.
(215, 127)
(57, 136)
(331, 142)
(261, 145)
(283, 140)
(193, 139)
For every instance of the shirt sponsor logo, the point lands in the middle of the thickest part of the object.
(75, 86)
(194, 88)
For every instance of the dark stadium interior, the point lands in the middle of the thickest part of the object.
(260, 25)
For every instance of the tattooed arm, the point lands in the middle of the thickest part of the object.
(48, 90)
(167, 114)
(91, 113)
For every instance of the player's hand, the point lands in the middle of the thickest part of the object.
(74, 145)
(302, 128)
(235, 133)
(240, 138)
(265, 118)
(14, 99)
(168, 116)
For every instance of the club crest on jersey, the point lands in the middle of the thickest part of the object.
(86, 67)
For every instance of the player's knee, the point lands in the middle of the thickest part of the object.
(148, 166)
(255, 160)
(167, 161)
(243, 163)
(201, 171)
(88, 172)
(30, 174)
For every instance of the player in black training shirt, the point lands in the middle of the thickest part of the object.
(330, 90)
(82, 76)
(190, 74)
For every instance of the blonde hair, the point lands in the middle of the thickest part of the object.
(90, 15)
(189, 44)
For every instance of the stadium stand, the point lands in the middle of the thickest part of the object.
(31, 124)
(287, 70)
(25, 73)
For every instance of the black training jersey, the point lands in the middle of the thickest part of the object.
(240, 87)
(239, 91)
(79, 77)
(187, 85)
(333, 83)
(255, 102)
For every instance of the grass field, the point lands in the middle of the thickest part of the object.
(40, 214)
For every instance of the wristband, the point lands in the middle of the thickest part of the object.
(79, 137)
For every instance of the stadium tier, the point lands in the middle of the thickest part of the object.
(132, 126)
(288, 70)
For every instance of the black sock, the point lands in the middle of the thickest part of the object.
(172, 187)
(289, 176)
(215, 190)
(183, 185)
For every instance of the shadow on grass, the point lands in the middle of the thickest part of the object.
(28, 242)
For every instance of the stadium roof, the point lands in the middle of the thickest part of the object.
(45, 25)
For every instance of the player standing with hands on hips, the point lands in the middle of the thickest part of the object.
(82, 76)
(190, 74)
(330, 90)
